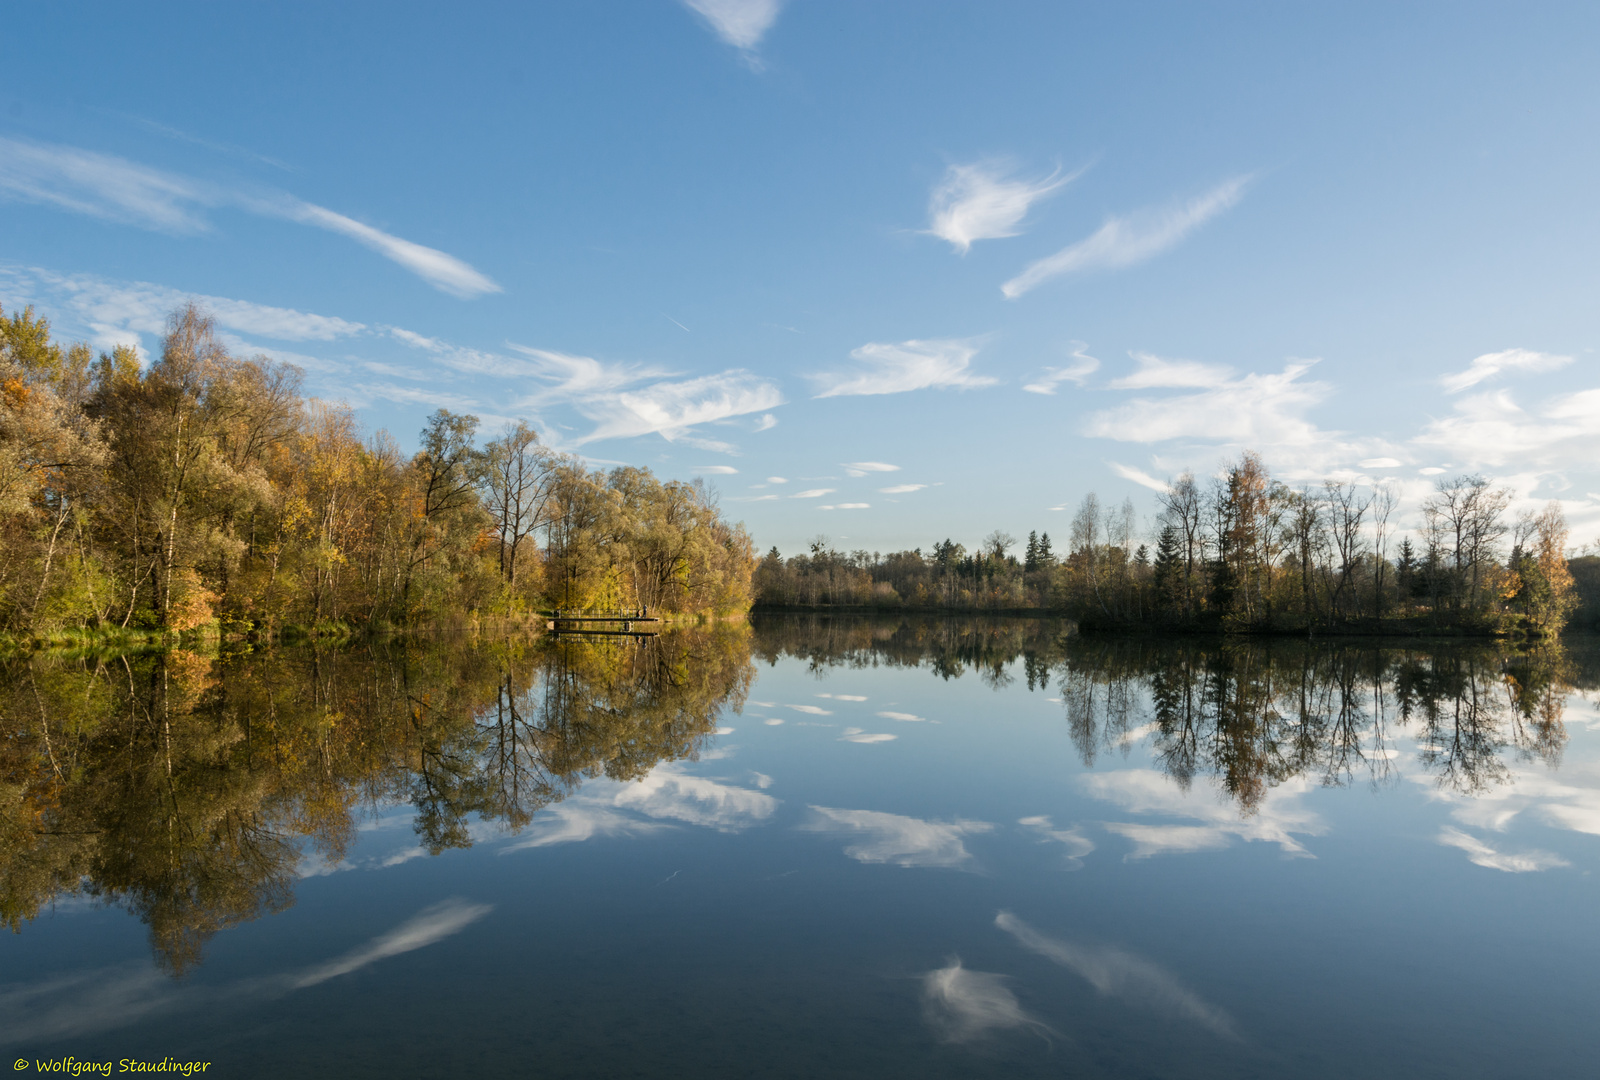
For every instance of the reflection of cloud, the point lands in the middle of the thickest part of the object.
(1076, 843)
(843, 697)
(894, 838)
(909, 365)
(964, 1005)
(72, 1005)
(1117, 974)
(110, 998)
(1511, 862)
(902, 716)
(813, 710)
(668, 792)
(579, 821)
(1123, 241)
(1145, 791)
(856, 735)
(428, 926)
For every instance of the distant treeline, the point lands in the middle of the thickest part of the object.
(204, 490)
(1244, 553)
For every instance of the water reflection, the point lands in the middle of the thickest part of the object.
(1254, 713)
(196, 791)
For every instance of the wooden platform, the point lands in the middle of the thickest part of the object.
(563, 622)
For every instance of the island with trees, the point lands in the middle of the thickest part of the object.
(204, 492)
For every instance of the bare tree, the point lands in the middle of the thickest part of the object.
(518, 480)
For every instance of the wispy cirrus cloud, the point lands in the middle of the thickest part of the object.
(1083, 365)
(115, 189)
(1124, 241)
(901, 489)
(908, 365)
(1139, 476)
(740, 23)
(122, 312)
(983, 201)
(1492, 364)
(631, 400)
(1077, 845)
(1255, 408)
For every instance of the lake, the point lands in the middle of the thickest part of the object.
(808, 846)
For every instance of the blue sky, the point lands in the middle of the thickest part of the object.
(937, 268)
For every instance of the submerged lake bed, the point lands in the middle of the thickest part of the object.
(810, 846)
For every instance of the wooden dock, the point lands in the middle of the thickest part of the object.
(619, 625)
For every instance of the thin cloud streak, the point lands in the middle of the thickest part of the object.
(909, 365)
(1114, 973)
(978, 202)
(1124, 241)
(963, 1005)
(1489, 365)
(115, 189)
(1076, 373)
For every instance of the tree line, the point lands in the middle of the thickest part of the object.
(206, 490)
(1243, 552)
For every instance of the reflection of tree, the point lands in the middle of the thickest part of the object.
(189, 790)
(1252, 712)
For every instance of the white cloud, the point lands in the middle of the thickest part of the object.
(777, 480)
(1492, 430)
(910, 365)
(610, 395)
(1076, 843)
(115, 189)
(902, 489)
(979, 202)
(1253, 408)
(1138, 476)
(905, 716)
(1277, 818)
(846, 506)
(766, 422)
(1381, 463)
(103, 186)
(843, 697)
(1076, 373)
(1489, 365)
(813, 710)
(124, 312)
(862, 468)
(812, 493)
(716, 470)
(1124, 241)
(443, 271)
(1158, 372)
(428, 926)
(1114, 973)
(669, 792)
(894, 838)
(964, 1005)
(773, 723)
(740, 23)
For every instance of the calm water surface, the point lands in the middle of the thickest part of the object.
(809, 847)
